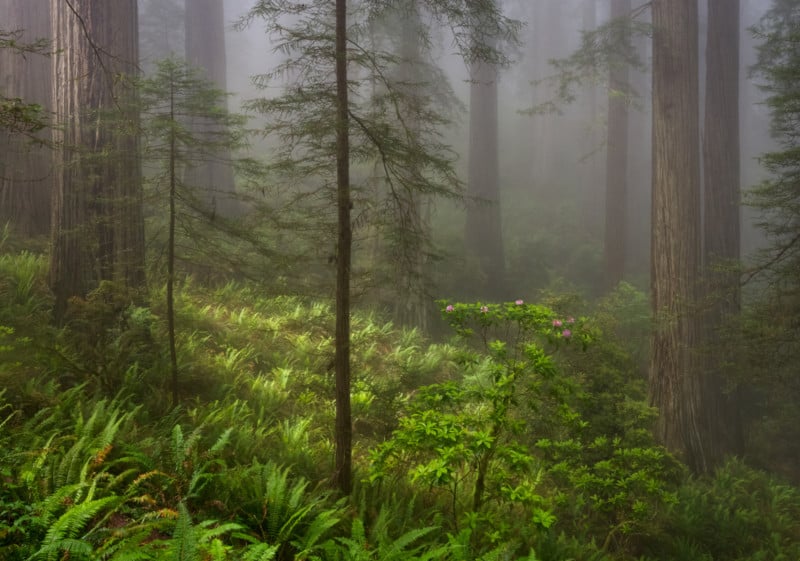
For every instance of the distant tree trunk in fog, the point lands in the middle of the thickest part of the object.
(721, 157)
(591, 151)
(640, 176)
(212, 176)
(343, 477)
(484, 233)
(25, 168)
(616, 224)
(98, 227)
(161, 31)
(549, 39)
(411, 304)
(675, 387)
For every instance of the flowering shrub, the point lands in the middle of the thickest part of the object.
(468, 439)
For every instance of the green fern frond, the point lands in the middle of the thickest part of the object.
(260, 552)
(62, 535)
(397, 549)
(211, 530)
(67, 548)
(184, 543)
(320, 526)
(221, 442)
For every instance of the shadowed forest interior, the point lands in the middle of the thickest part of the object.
(411, 280)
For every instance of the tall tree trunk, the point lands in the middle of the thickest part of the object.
(411, 307)
(25, 167)
(212, 176)
(675, 387)
(591, 143)
(721, 226)
(484, 234)
(173, 195)
(617, 163)
(344, 425)
(640, 176)
(97, 222)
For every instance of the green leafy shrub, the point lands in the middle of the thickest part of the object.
(738, 514)
(468, 438)
(109, 336)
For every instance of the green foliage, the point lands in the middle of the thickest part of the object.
(109, 337)
(17, 115)
(778, 197)
(607, 47)
(738, 514)
(768, 350)
(555, 427)
(281, 510)
(469, 438)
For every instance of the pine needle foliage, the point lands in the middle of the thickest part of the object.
(399, 118)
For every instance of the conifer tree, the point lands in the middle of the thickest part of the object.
(25, 95)
(172, 99)
(98, 226)
(321, 133)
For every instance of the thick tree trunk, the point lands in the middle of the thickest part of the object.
(212, 176)
(25, 167)
(721, 229)
(484, 234)
(675, 386)
(344, 426)
(97, 223)
(616, 224)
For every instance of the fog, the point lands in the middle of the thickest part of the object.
(552, 164)
(399, 279)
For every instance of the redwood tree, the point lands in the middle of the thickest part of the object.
(484, 234)
(675, 387)
(212, 173)
(721, 226)
(617, 157)
(24, 164)
(97, 228)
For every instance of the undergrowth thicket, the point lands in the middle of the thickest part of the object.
(526, 436)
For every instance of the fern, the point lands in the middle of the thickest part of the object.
(260, 552)
(184, 543)
(407, 547)
(62, 535)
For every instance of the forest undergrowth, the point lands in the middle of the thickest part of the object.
(525, 434)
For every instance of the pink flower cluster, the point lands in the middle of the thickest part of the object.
(558, 324)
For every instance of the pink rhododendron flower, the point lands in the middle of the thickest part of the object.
(484, 309)
(566, 334)
(449, 308)
(557, 323)
(570, 319)
(519, 302)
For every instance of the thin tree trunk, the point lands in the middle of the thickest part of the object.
(721, 217)
(674, 384)
(617, 164)
(344, 427)
(173, 184)
(25, 168)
